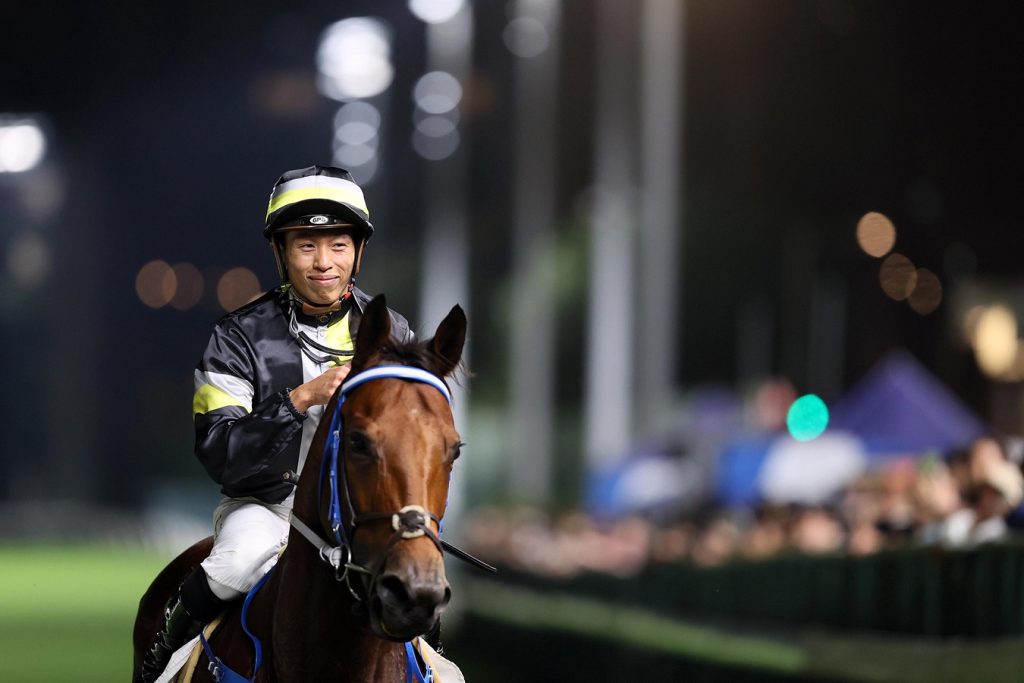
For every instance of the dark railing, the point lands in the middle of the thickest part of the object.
(922, 591)
(923, 615)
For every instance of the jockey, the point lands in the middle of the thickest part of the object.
(260, 389)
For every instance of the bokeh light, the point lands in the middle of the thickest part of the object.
(237, 287)
(189, 286)
(898, 276)
(927, 294)
(354, 59)
(350, 156)
(437, 92)
(356, 139)
(22, 144)
(995, 340)
(156, 283)
(876, 234)
(29, 260)
(435, 126)
(435, 11)
(435, 149)
(356, 123)
(526, 37)
(437, 95)
(807, 418)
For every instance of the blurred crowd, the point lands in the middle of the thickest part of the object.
(964, 499)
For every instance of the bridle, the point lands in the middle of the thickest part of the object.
(411, 521)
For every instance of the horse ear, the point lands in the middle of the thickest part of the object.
(448, 340)
(374, 330)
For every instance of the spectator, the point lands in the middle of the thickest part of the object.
(998, 488)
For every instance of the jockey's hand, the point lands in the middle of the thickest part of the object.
(318, 391)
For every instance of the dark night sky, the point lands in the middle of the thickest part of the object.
(800, 117)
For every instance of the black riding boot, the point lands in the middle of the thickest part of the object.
(193, 607)
(179, 627)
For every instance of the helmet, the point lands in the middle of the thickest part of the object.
(323, 191)
(317, 197)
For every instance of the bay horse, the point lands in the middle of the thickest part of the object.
(393, 453)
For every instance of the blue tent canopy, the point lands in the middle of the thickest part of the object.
(900, 407)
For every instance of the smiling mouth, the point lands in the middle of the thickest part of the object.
(324, 280)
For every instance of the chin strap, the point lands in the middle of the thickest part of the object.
(308, 345)
(314, 310)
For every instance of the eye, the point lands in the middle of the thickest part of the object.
(457, 450)
(359, 444)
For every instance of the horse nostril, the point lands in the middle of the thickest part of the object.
(392, 590)
(420, 596)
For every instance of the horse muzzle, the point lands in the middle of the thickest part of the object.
(407, 603)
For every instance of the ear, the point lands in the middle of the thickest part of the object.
(374, 330)
(448, 341)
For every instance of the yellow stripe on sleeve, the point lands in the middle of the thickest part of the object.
(208, 398)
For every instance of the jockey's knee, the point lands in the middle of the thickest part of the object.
(244, 561)
(233, 570)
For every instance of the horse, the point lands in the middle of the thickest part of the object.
(343, 612)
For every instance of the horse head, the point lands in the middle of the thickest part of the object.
(397, 446)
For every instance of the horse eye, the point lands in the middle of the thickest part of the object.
(358, 444)
(457, 450)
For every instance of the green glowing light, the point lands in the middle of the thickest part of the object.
(807, 418)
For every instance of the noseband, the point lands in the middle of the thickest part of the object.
(412, 521)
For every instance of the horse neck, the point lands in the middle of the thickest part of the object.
(316, 634)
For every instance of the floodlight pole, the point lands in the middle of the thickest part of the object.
(446, 225)
(608, 382)
(660, 231)
(531, 358)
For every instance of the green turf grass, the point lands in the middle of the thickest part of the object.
(66, 613)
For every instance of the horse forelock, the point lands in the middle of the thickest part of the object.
(413, 354)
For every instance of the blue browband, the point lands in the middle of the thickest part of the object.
(395, 372)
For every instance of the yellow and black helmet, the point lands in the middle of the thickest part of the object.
(317, 197)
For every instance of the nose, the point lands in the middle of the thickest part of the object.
(322, 257)
(413, 601)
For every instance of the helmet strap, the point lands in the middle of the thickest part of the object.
(359, 258)
(277, 246)
(314, 310)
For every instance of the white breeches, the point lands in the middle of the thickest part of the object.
(247, 536)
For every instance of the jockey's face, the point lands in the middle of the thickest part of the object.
(319, 263)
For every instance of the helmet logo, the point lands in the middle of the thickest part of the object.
(318, 220)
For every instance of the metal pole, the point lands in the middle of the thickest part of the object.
(532, 367)
(610, 330)
(660, 230)
(446, 226)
